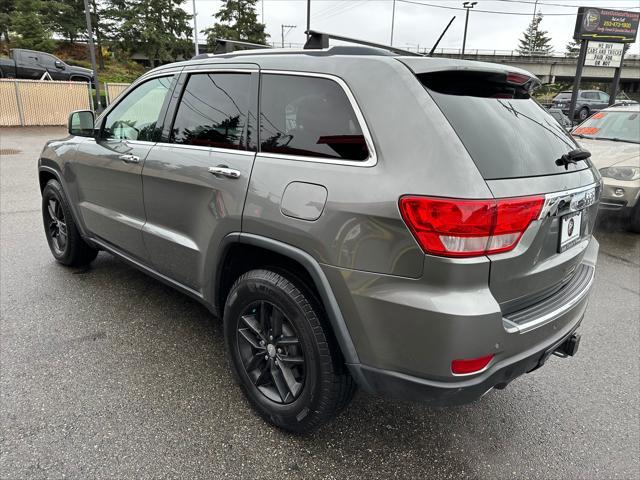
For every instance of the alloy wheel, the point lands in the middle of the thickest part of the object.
(271, 352)
(57, 226)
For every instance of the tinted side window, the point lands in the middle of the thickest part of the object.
(213, 111)
(47, 60)
(135, 117)
(309, 116)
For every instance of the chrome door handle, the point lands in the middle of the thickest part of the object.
(225, 171)
(129, 158)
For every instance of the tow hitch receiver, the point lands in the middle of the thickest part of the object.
(569, 347)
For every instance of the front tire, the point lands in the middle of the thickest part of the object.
(634, 219)
(282, 354)
(65, 242)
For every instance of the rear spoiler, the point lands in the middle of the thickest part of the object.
(432, 65)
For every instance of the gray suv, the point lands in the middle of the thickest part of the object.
(417, 227)
(588, 102)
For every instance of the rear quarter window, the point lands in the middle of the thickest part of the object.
(505, 131)
(310, 117)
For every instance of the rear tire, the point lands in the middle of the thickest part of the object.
(282, 354)
(65, 242)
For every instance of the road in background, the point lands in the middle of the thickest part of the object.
(109, 373)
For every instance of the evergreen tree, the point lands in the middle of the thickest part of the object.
(572, 49)
(30, 28)
(65, 17)
(158, 28)
(7, 11)
(535, 41)
(237, 20)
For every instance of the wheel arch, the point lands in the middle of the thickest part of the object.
(46, 173)
(243, 252)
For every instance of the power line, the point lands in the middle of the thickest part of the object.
(497, 12)
(532, 2)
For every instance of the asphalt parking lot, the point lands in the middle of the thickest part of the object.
(109, 373)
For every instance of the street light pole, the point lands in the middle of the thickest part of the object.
(308, 17)
(393, 19)
(92, 54)
(468, 6)
(195, 28)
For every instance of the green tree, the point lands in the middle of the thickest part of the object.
(7, 11)
(572, 49)
(65, 17)
(158, 28)
(237, 20)
(535, 41)
(30, 28)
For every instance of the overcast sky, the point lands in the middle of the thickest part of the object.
(420, 24)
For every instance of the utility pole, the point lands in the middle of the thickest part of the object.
(92, 54)
(613, 91)
(576, 79)
(308, 17)
(393, 19)
(290, 27)
(468, 6)
(195, 28)
(535, 9)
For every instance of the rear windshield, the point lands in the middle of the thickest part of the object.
(563, 96)
(506, 132)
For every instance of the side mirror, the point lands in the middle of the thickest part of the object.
(59, 64)
(81, 123)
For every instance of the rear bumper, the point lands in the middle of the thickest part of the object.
(396, 385)
(407, 332)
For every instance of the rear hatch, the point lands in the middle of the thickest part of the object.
(515, 144)
(562, 100)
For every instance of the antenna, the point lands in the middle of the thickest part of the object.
(440, 37)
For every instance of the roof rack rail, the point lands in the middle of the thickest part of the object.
(224, 45)
(319, 40)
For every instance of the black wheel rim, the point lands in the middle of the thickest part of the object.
(271, 352)
(56, 226)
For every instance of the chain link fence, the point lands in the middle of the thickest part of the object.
(46, 102)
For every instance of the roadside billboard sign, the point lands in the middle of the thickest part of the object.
(604, 54)
(606, 25)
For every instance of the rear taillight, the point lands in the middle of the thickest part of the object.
(467, 228)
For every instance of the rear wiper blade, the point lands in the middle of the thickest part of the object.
(573, 156)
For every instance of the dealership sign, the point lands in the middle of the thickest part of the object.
(604, 54)
(606, 25)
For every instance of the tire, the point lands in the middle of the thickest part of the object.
(634, 219)
(583, 114)
(294, 378)
(65, 242)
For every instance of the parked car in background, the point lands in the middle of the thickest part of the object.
(613, 137)
(432, 243)
(32, 65)
(561, 118)
(588, 102)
